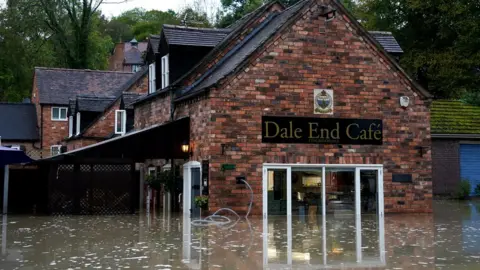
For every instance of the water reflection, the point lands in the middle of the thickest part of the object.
(448, 239)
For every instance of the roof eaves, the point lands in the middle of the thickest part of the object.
(232, 35)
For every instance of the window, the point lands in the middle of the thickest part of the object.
(59, 113)
(55, 150)
(165, 71)
(152, 81)
(70, 126)
(78, 123)
(136, 68)
(120, 121)
(152, 170)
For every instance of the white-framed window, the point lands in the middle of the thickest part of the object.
(70, 126)
(136, 68)
(165, 71)
(59, 114)
(120, 122)
(55, 150)
(152, 81)
(78, 124)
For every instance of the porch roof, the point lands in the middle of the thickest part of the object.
(162, 141)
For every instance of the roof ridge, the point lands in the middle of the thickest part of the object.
(197, 28)
(381, 32)
(84, 70)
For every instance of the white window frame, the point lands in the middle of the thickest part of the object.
(70, 126)
(59, 147)
(60, 109)
(78, 124)
(123, 113)
(165, 71)
(136, 68)
(152, 80)
(152, 170)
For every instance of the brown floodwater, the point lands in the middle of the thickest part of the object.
(447, 239)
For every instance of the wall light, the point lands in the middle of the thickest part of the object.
(186, 148)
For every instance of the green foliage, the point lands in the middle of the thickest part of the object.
(233, 10)
(167, 179)
(439, 37)
(477, 190)
(201, 201)
(463, 190)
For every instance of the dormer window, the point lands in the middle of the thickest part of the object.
(78, 124)
(120, 122)
(151, 78)
(165, 71)
(136, 68)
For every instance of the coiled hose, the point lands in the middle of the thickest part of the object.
(220, 220)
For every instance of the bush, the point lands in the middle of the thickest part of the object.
(464, 189)
(477, 190)
(201, 201)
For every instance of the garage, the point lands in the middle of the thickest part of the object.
(470, 164)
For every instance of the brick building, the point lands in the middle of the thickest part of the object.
(303, 103)
(75, 108)
(277, 62)
(455, 146)
(128, 56)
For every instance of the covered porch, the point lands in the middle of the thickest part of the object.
(108, 177)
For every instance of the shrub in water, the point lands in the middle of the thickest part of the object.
(464, 189)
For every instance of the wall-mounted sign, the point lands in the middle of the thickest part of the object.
(321, 130)
(323, 101)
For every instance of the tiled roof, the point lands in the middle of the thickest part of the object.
(130, 98)
(154, 41)
(18, 122)
(243, 49)
(387, 40)
(93, 104)
(454, 117)
(133, 57)
(192, 36)
(57, 86)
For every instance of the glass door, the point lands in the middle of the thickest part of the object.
(277, 198)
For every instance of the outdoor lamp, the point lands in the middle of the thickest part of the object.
(186, 148)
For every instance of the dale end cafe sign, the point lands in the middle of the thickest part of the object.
(321, 130)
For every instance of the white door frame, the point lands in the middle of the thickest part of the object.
(187, 185)
(358, 168)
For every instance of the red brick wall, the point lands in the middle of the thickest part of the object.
(115, 62)
(79, 143)
(54, 132)
(281, 82)
(140, 87)
(154, 111)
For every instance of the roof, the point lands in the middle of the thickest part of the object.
(130, 98)
(193, 36)
(154, 41)
(133, 57)
(454, 117)
(243, 49)
(57, 86)
(387, 40)
(18, 121)
(93, 104)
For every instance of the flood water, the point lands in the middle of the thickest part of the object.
(447, 239)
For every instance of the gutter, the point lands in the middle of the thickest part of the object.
(455, 136)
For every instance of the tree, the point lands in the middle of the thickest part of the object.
(71, 22)
(439, 37)
(233, 10)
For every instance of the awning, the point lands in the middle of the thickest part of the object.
(155, 142)
(12, 156)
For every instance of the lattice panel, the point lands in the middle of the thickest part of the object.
(102, 189)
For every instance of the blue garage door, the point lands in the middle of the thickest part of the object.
(470, 164)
